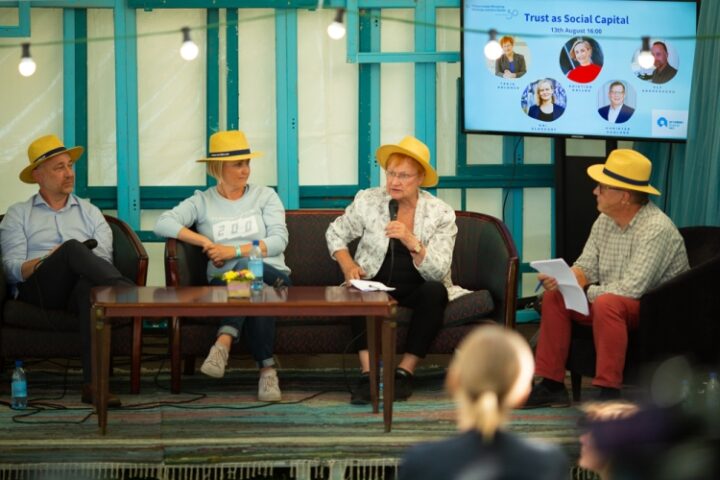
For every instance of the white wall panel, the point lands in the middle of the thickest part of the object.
(102, 140)
(171, 98)
(327, 104)
(29, 107)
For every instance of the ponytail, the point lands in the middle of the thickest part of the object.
(488, 416)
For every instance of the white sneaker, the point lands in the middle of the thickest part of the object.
(216, 361)
(269, 388)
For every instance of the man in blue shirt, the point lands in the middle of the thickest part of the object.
(43, 256)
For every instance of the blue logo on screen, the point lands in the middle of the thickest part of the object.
(511, 13)
(662, 122)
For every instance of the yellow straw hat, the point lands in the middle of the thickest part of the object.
(625, 168)
(45, 148)
(415, 149)
(229, 146)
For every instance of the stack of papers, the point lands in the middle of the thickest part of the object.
(573, 295)
(370, 286)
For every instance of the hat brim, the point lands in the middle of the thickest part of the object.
(232, 158)
(596, 173)
(385, 151)
(26, 174)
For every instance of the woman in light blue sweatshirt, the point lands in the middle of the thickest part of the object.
(226, 219)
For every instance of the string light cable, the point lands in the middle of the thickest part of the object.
(357, 13)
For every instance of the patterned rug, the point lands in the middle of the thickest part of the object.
(217, 430)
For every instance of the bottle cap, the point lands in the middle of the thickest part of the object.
(256, 242)
(18, 363)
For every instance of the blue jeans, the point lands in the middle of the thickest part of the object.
(259, 331)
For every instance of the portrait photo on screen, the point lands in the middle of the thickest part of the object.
(581, 59)
(617, 101)
(544, 100)
(666, 63)
(514, 61)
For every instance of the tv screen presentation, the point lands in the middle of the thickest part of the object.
(573, 68)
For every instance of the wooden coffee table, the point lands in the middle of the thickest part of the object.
(111, 303)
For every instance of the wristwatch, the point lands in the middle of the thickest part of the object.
(417, 248)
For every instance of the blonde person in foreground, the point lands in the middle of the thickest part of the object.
(406, 238)
(489, 376)
(228, 217)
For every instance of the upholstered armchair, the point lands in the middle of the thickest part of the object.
(679, 317)
(26, 331)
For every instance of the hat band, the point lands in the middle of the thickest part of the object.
(50, 153)
(231, 153)
(639, 183)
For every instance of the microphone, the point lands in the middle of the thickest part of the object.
(393, 208)
(90, 243)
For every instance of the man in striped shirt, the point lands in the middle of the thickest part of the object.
(632, 248)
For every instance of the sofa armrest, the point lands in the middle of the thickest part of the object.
(185, 264)
(129, 254)
(485, 258)
(681, 316)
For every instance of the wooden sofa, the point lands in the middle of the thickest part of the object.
(485, 261)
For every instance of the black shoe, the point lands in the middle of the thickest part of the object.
(403, 384)
(542, 396)
(360, 395)
(607, 393)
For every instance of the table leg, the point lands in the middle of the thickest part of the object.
(372, 339)
(389, 340)
(175, 355)
(100, 347)
(94, 349)
(135, 355)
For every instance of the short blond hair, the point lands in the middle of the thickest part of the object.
(214, 169)
(580, 42)
(538, 101)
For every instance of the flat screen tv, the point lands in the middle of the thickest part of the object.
(572, 68)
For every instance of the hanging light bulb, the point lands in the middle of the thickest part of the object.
(336, 30)
(27, 65)
(646, 59)
(189, 50)
(493, 50)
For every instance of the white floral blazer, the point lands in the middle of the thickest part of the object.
(367, 216)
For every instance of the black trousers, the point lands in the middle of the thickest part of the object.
(63, 282)
(426, 298)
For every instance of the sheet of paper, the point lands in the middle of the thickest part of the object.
(573, 295)
(370, 286)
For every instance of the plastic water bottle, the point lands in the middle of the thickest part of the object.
(19, 387)
(712, 392)
(256, 266)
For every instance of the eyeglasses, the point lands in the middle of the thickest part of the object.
(403, 177)
(602, 187)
